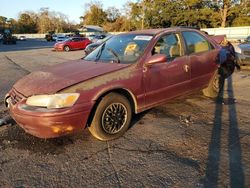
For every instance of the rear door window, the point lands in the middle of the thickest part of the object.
(195, 42)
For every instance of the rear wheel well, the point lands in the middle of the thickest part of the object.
(122, 92)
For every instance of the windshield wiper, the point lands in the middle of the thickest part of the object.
(114, 54)
(100, 52)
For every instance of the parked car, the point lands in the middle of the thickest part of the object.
(243, 53)
(128, 74)
(69, 35)
(91, 37)
(94, 45)
(247, 39)
(22, 38)
(73, 43)
(9, 39)
(49, 36)
(54, 37)
(98, 37)
(61, 38)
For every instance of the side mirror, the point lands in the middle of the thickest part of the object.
(155, 59)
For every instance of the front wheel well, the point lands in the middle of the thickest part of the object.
(122, 92)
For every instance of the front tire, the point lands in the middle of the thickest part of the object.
(66, 48)
(112, 117)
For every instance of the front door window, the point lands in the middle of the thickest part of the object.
(169, 45)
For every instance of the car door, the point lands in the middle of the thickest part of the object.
(202, 57)
(75, 43)
(83, 43)
(172, 78)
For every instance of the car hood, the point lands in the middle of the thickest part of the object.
(245, 46)
(55, 78)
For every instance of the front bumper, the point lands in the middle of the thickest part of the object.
(50, 123)
(58, 48)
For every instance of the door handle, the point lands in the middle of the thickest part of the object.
(145, 69)
(186, 68)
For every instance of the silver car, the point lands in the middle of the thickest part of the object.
(243, 53)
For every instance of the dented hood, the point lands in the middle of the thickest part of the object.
(55, 78)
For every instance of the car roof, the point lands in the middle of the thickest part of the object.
(77, 37)
(160, 30)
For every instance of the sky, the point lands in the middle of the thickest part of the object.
(71, 8)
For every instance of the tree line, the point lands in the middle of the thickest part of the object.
(168, 13)
(42, 22)
(142, 14)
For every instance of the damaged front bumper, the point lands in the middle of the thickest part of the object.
(48, 123)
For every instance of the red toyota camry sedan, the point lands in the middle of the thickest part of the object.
(126, 75)
(74, 43)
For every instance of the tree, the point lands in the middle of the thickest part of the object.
(3, 21)
(27, 23)
(223, 7)
(144, 14)
(112, 14)
(95, 15)
(13, 25)
(53, 21)
(239, 14)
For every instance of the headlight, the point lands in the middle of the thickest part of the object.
(53, 101)
(237, 49)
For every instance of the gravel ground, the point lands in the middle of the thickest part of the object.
(191, 142)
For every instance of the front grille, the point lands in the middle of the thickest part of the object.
(15, 96)
(246, 52)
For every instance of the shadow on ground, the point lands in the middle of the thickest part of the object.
(236, 173)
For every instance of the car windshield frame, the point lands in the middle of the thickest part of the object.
(125, 48)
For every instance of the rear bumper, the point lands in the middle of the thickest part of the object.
(50, 123)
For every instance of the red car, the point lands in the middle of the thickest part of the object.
(128, 74)
(73, 43)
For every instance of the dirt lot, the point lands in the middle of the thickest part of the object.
(192, 142)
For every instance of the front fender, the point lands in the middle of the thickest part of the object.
(107, 90)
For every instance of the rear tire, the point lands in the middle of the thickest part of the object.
(213, 87)
(66, 48)
(112, 117)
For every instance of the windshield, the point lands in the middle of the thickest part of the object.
(124, 49)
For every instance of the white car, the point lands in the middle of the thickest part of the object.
(242, 52)
(22, 38)
(54, 37)
(61, 38)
